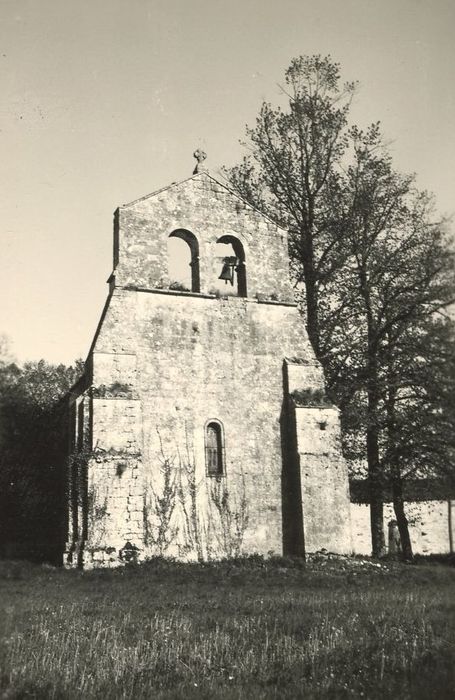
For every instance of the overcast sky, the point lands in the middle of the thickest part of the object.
(104, 101)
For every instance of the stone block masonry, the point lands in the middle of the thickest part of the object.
(431, 526)
(195, 449)
(324, 479)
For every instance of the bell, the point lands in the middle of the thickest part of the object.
(227, 272)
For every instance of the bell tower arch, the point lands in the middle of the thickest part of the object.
(234, 267)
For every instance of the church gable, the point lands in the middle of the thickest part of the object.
(204, 214)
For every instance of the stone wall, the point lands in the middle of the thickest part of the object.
(324, 479)
(431, 526)
(199, 359)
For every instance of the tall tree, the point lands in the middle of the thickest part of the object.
(375, 267)
(293, 172)
(398, 274)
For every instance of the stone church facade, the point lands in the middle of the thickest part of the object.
(200, 428)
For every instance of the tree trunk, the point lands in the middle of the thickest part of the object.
(376, 498)
(311, 289)
(402, 521)
(312, 315)
(375, 476)
(374, 466)
(395, 471)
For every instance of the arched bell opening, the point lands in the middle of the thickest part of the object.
(184, 263)
(231, 255)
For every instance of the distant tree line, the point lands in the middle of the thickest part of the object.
(33, 448)
(374, 271)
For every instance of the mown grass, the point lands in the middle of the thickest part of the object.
(247, 629)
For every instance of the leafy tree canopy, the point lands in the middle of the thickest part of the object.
(373, 267)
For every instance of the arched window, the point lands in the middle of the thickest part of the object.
(214, 457)
(232, 259)
(179, 275)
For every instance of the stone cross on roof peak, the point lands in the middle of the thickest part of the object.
(200, 157)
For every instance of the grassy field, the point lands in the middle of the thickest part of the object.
(331, 628)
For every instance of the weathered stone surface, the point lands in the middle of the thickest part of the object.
(431, 526)
(207, 209)
(324, 479)
(164, 364)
